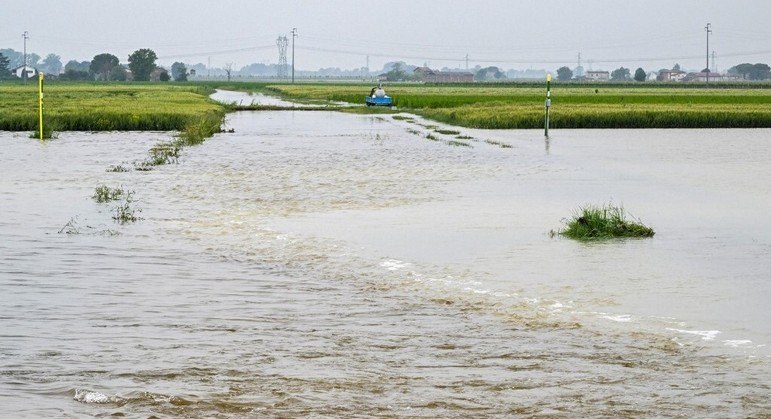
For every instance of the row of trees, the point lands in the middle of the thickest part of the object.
(104, 67)
(758, 71)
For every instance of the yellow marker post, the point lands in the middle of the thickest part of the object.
(40, 102)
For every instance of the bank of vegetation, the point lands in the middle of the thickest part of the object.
(573, 106)
(172, 107)
(106, 107)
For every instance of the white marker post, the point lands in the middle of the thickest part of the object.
(548, 104)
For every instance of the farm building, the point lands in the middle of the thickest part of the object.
(19, 71)
(434, 76)
(597, 75)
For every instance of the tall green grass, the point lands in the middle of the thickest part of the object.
(105, 107)
(603, 222)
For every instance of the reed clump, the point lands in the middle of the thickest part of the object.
(104, 193)
(198, 130)
(603, 222)
(125, 213)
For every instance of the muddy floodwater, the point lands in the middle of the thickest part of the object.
(335, 265)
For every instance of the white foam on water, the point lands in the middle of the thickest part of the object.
(622, 318)
(737, 343)
(86, 396)
(393, 264)
(705, 334)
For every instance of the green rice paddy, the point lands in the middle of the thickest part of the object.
(609, 105)
(177, 107)
(105, 107)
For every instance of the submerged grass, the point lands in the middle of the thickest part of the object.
(603, 222)
(194, 133)
(104, 193)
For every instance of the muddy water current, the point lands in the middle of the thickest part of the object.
(332, 265)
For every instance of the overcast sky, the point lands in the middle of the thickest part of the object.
(652, 34)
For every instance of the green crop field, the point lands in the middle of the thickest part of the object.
(153, 106)
(573, 106)
(105, 107)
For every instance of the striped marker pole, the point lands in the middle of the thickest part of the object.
(548, 104)
(40, 102)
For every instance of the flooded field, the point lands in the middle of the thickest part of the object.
(332, 265)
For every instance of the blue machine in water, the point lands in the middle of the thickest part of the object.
(377, 97)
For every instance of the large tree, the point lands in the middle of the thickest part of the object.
(749, 71)
(14, 57)
(4, 70)
(564, 74)
(77, 66)
(489, 73)
(639, 74)
(620, 74)
(179, 71)
(142, 63)
(102, 65)
(52, 64)
(396, 73)
(760, 71)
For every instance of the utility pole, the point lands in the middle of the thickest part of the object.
(708, 28)
(714, 67)
(25, 35)
(466, 62)
(294, 35)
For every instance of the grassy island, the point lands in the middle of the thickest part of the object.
(603, 222)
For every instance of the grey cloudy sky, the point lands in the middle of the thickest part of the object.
(651, 34)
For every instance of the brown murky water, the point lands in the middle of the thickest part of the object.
(323, 264)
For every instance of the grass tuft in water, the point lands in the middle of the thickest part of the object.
(448, 131)
(458, 143)
(498, 143)
(49, 133)
(104, 193)
(165, 153)
(605, 222)
(118, 168)
(198, 130)
(124, 213)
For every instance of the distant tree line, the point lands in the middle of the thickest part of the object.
(749, 71)
(141, 66)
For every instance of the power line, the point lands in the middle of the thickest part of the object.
(220, 52)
